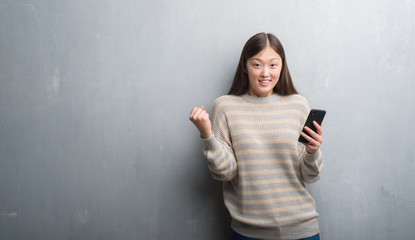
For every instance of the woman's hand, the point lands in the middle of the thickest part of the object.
(200, 119)
(315, 140)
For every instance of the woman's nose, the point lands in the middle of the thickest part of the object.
(265, 72)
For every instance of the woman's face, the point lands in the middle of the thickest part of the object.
(264, 70)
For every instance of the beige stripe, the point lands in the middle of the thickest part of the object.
(232, 113)
(269, 181)
(245, 114)
(270, 210)
(212, 152)
(219, 158)
(315, 165)
(264, 132)
(265, 151)
(220, 122)
(311, 176)
(269, 191)
(221, 161)
(222, 164)
(223, 171)
(272, 221)
(310, 170)
(263, 141)
(265, 172)
(219, 129)
(261, 122)
(266, 201)
(226, 162)
(238, 103)
(268, 161)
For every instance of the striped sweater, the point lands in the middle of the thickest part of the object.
(255, 151)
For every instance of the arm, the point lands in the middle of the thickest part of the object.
(311, 164)
(217, 147)
(221, 159)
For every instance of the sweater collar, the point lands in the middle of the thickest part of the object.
(260, 100)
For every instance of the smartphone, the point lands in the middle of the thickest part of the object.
(314, 115)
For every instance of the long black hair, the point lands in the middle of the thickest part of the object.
(254, 45)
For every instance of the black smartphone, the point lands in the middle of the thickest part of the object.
(314, 115)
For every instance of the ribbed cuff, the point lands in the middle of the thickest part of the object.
(312, 157)
(211, 143)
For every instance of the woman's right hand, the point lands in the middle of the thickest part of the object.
(200, 118)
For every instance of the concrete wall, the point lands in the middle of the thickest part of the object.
(95, 141)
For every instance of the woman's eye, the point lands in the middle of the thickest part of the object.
(257, 65)
(274, 65)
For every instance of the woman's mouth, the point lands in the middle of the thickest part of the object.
(264, 82)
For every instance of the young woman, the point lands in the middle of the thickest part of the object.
(252, 145)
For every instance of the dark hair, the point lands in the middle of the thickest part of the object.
(254, 45)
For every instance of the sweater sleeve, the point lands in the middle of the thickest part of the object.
(311, 165)
(218, 148)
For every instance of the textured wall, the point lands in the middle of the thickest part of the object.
(95, 141)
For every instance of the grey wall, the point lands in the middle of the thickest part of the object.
(95, 141)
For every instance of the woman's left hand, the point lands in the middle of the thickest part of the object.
(315, 140)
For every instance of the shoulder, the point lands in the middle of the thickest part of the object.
(299, 102)
(223, 103)
(226, 100)
(297, 98)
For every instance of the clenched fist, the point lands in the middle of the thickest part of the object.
(200, 119)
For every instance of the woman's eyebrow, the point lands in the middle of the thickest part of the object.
(256, 59)
(278, 59)
(272, 59)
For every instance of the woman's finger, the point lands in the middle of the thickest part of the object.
(313, 134)
(308, 138)
(318, 128)
(196, 113)
(192, 113)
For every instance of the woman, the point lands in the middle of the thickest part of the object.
(252, 146)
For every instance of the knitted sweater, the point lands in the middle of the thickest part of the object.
(255, 151)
